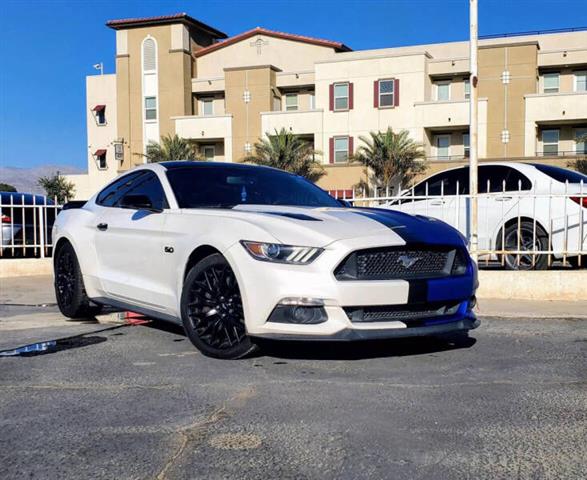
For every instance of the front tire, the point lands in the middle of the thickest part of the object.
(69, 286)
(212, 311)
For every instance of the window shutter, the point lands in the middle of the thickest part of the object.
(396, 93)
(331, 151)
(331, 97)
(351, 95)
(351, 147)
(376, 94)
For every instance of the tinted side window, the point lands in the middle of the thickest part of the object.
(493, 177)
(445, 182)
(110, 196)
(149, 185)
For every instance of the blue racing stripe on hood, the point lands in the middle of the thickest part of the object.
(414, 229)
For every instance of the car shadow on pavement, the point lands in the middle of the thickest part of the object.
(341, 350)
(362, 349)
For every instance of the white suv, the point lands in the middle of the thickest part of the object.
(546, 204)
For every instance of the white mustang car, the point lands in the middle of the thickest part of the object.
(233, 252)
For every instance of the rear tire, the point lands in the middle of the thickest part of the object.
(69, 285)
(527, 242)
(212, 312)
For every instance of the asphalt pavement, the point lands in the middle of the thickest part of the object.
(116, 401)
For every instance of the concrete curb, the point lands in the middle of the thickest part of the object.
(25, 267)
(551, 285)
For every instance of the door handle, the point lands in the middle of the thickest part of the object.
(102, 226)
(503, 199)
(437, 202)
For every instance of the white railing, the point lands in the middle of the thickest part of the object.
(26, 223)
(520, 228)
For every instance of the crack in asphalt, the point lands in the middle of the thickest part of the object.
(198, 429)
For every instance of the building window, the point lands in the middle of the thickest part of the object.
(207, 106)
(442, 144)
(341, 96)
(551, 82)
(443, 90)
(208, 151)
(150, 108)
(581, 81)
(100, 156)
(341, 149)
(550, 142)
(467, 89)
(291, 102)
(580, 146)
(100, 114)
(312, 101)
(149, 55)
(386, 93)
(466, 145)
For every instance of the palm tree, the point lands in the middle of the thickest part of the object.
(288, 152)
(391, 157)
(171, 148)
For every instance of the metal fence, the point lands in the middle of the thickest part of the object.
(523, 228)
(27, 221)
(519, 228)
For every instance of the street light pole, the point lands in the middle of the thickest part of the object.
(473, 128)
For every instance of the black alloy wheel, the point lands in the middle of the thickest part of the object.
(528, 242)
(212, 310)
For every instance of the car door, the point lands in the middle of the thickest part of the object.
(502, 192)
(130, 242)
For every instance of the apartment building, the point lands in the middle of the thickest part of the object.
(175, 74)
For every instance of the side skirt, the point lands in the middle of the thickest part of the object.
(134, 308)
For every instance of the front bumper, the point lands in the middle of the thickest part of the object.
(265, 285)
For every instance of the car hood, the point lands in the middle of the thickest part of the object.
(322, 226)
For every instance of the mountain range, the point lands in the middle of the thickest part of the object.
(25, 179)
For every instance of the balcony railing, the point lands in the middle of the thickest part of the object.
(448, 158)
(562, 153)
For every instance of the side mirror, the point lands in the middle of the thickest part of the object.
(345, 203)
(138, 202)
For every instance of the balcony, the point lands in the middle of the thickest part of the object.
(298, 122)
(204, 127)
(446, 114)
(556, 107)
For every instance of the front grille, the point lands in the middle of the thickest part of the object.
(405, 263)
(404, 313)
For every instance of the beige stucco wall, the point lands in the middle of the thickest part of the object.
(246, 125)
(100, 90)
(174, 85)
(287, 55)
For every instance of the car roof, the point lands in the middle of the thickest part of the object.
(198, 164)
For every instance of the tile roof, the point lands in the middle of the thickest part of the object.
(163, 20)
(338, 46)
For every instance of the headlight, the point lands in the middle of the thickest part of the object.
(275, 252)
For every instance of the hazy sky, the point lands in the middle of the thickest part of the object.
(48, 47)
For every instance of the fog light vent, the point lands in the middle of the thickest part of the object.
(302, 315)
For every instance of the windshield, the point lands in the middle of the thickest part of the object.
(228, 186)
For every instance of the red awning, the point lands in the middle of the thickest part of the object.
(99, 153)
(99, 108)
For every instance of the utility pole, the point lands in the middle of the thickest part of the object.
(473, 185)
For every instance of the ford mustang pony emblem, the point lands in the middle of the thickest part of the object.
(407, 261)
